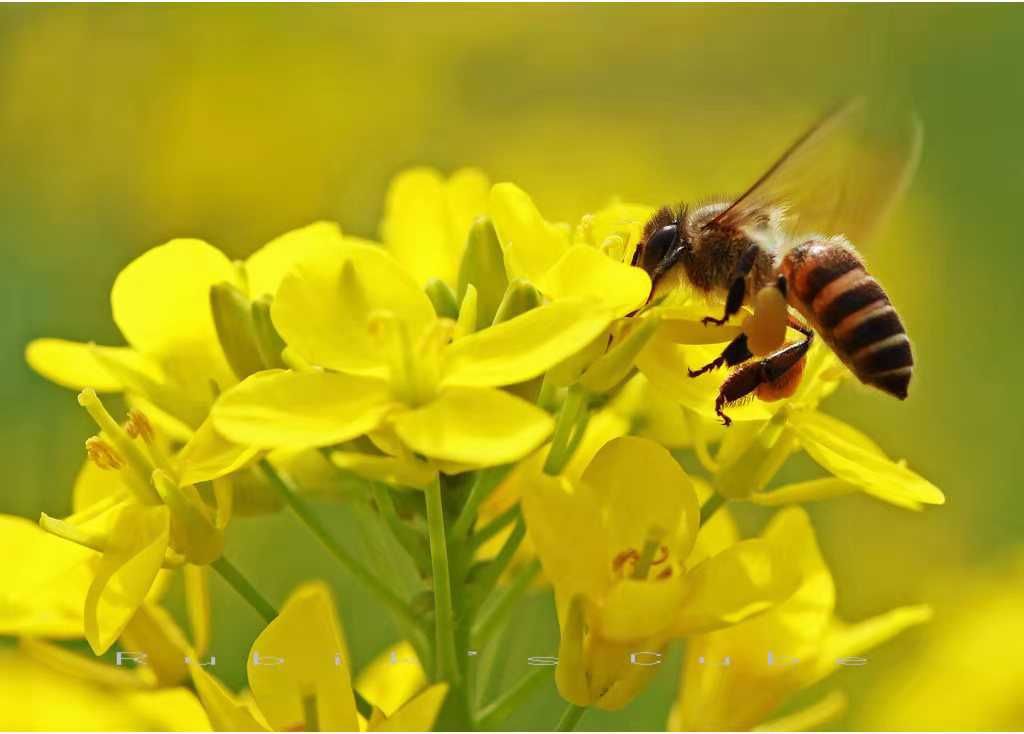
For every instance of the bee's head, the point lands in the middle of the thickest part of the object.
(664, 243)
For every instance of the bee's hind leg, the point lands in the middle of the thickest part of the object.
(738, 289)
(773, 370)
(735, 353)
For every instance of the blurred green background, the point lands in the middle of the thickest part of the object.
(122, 127)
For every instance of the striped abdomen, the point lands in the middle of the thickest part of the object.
(829, 286)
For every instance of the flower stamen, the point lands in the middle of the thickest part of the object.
(138, 426)
(102, 454)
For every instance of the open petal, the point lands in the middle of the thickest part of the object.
(226, 711)
(268, 265)
(300, 659)
(295, 409)
(161, 303)
(417, 715)
(428, 219)
(209, 455)
(323, 306)
(736, 584)
(848, 640)
(853, 457)
(637, 610)
(585, 273)
(645, 496)
(475, 425)
(135, 551)
(531, 244)
(74, 364)
(524, 347)
(392, 679)
(42, 592)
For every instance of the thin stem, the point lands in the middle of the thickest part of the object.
(492, 572)
(309, 518)
(571, 717)
(495, 526)
(711, 507)
(484, 483)
(568, 415)
(512, 699)
(444, 613)
(244, 589)
(501, 602)
(410, 540)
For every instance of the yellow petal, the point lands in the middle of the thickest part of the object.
(850, 640)
(809, 718)
(296, 409)
(476, 425)
(853, 457)
(226, 712)
(392, 678)
(643, 492)
(428, 219)
(323, 305)
(388, 469)
(74, 364)
(44, 591)
(565, 525)
(524, 347)
(734, 585)
(584, 273)
(154, 632)
(38, 698)
(161, 303)
(209, 455)
(799, 492)
(306, 638)
(634, 610)
(268, 265)
(531, 244)
(135, 552)
(417, 715)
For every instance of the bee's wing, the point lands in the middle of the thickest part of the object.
(842, 176)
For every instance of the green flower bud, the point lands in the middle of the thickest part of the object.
(233, 319)
(519, 298)
(483, 266)
(268, 341)
(443, 299)
(611, 368)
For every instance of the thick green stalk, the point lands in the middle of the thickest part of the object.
(244, 589)
(444, 613)
(568, 419)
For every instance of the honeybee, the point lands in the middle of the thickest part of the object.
(786, 242)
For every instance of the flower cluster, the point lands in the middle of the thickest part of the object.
(518, 412)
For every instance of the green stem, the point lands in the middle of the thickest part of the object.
(488, 579)
(484, 483)
(372, 582)
(501, 602)
(568, 416)
(512, 699)
(571, 717)
(495, 526)
(711, 507)
(244, 589)
(444, 613)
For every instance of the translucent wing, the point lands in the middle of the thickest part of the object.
(842, 176)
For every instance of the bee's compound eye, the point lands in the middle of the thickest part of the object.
(658, 246)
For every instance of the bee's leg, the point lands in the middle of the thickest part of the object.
(735, 353)
(753, 375)
(738, 289)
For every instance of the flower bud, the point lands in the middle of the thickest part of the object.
(520, 297)
(233, 320)
(442, 298)
(613, 366)
(483, 266)
(193, 530)
(268, 341)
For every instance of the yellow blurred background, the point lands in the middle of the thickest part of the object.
(124, 126)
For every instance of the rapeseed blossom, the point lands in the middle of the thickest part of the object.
(518, 374)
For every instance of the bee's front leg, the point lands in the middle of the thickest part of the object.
(738, 289)
(737, 352)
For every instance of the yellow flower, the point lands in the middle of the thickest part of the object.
(40, 693)
(617, 544)
(966, 671)
(299, 672)
(736, 677)
(428, 219)
(395, 372)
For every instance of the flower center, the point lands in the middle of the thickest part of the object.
(414, 366)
